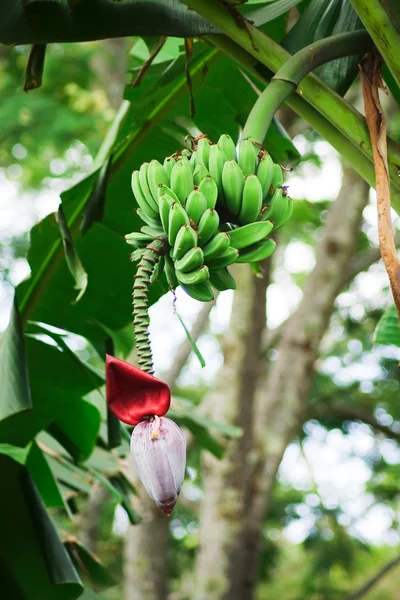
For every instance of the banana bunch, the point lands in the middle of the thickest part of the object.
(212, 207)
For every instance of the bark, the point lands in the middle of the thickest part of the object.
(226, 482)
(146, 547)
(282, 395)
(110, 65)
(91, 515)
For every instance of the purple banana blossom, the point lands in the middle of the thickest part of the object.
(158, 449)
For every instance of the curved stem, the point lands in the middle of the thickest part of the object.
(294, 70)
(140, 313)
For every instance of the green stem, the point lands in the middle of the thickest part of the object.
(330, 105)
(140, 313)
(294, 70)
(380, 27)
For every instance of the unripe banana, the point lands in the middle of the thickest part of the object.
(265, 171)
(193, 259)
(196, 205)
(137, 238)
(185, 240)
(155, 232)
(164, 204)
(216, 246)
(209, 189)
(251, 200)
(222, 280)
(193, 160)
(286, 215)
(246, 235)
(232, 182)
(141, 198)
(182, 179)
(278, 207)
(177, 218)
(257, 252)
(145, 217)
(227, 146)
(197, 276)
(216, 163)
(247, 158)
(158, 270)
(199, 172)
(203, 151)
(200, 291)
(164, 189)
(156, 175)
(224, 260)
(168, 164)
(277, 178)
(144, 184)
(170, 273)
(186, 153)
(208, 226)
(137, 254)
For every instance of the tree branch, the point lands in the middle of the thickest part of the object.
(374, 580)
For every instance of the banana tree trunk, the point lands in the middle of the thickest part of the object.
(226, 482)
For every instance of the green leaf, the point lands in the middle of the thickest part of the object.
(71, 256)
(271, 11)
(15, 452)
(29, 544)
(15, 396)
(89, 566)
(96, 20)
(94, 208)
(43, 477)
(201, 433)
(192, 342)
(387, 330)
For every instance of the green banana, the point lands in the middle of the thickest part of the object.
(209, 189)
(251, 200)
(287, 214)
(216, 246)
(232, 182)
(164, 204)
(203, 151)
(155, 232)
(199, 291)
(244, 236)
(186, 153)
(264, 173)
(227, 146)
(222, 280)
(144, 184)
(177, 218)
(156, 175)
(137, 238)
(186, 239)
(158, 270)
(198, 275)
(199, 172)
(141, 198)
(164, 189)
(193, 160)
(145, 217)
(170, 273)
(216, 163)
(257, 252)
(277, 178)
(208, 226)
(278, 206)
(182, 179)
(137, 254)
(224, 260)
(168, 164)
(196, 205)
(247, 158)
(193, 259)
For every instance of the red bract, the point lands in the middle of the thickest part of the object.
(133, 394)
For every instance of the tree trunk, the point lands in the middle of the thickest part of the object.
(283, 394)
(226, 482)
